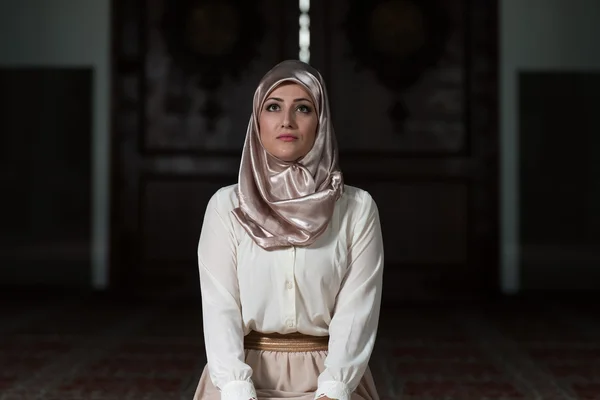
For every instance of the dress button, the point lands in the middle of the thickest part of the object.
(290, 323)
(289, 285)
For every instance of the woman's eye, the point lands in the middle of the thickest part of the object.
(304, 109)
(272, 107)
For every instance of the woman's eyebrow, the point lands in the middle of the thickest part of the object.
(295, 100)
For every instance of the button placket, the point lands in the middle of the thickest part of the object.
(290, 292)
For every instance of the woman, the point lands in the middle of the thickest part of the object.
(290, 259)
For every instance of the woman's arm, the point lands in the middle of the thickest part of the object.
(221, 308)
(353, 327)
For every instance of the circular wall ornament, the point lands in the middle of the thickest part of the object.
(212, 28)
(212, 39)
(396, 28)
(398, 40)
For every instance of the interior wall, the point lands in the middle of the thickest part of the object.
(535, 35)
(70, 33)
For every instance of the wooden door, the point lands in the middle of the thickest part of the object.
(184, 76)
(412, 86)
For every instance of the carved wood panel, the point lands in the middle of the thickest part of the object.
(413, 92)
(425, 222)
(196, 95)
(171, 233)
(184, 75)
(423, 143)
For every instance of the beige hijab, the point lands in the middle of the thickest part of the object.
(284, 203)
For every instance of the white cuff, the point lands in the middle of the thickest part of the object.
(238, 390)
(333, 390)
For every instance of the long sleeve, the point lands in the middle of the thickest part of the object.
(353, 327)
(221, 307)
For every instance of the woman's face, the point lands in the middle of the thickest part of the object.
(288, 122)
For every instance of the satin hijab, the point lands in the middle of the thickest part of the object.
(283, 203)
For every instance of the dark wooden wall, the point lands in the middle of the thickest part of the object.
(413, 89)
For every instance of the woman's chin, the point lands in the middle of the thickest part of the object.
(287, 156)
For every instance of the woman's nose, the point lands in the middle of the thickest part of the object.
(288, 119)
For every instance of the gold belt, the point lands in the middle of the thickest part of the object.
(291, 342)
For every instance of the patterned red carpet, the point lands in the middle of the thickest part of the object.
(93, 348)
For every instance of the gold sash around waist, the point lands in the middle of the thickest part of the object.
(291, 342)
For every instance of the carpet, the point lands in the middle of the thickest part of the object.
(100, 348)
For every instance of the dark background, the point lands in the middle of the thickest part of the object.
(472, 124)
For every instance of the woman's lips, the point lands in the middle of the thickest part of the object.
(287, 138)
